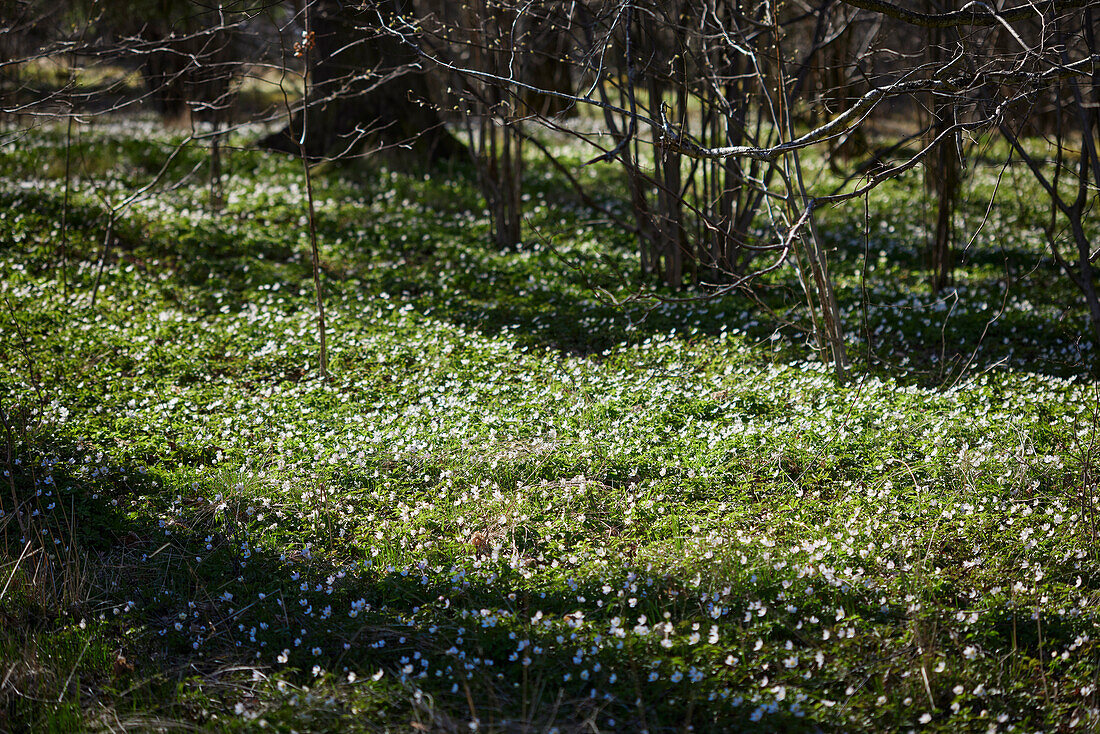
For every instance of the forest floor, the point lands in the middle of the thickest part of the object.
(515, 506)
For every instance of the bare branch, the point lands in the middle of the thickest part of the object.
(972, 14)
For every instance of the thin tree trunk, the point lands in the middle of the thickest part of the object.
(217, 198)
(315, 255)
(942, 174)
(65, 203)
(1087, 278)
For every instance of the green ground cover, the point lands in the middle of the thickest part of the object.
(515, 507)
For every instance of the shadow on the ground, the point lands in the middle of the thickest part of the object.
(185, 603)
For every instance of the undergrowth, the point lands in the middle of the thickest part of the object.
(515, 506)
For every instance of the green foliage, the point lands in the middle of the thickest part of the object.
(515, 503)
